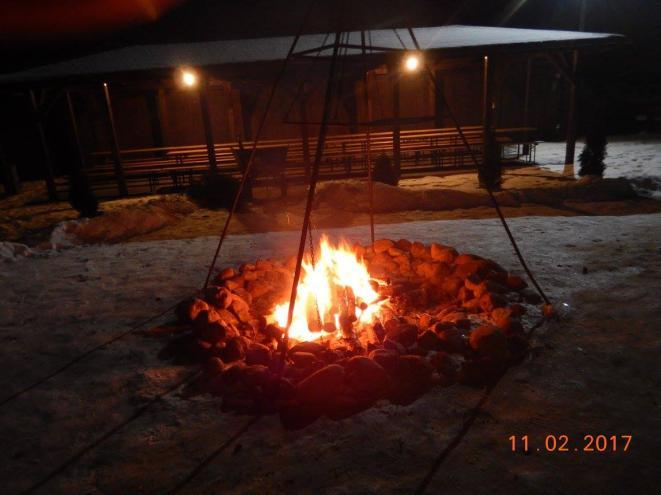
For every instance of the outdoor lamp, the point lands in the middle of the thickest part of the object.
(188, 78)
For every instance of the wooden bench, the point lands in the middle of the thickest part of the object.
(344, 155)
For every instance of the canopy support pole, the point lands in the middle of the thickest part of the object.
(116, 153)
(570, 148)
(526, 95)
(396, 129)
(48, 163)
(489, 175)
(74, 127)
(206, 121)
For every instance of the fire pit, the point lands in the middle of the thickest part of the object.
(371, 323)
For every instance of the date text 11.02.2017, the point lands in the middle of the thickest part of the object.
(563, 443)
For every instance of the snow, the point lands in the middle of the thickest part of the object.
(63, 234)
(146, 57)
(636, 157)
(12, 251)
(55, 307)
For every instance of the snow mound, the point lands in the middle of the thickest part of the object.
(649, 187)
(12, 251)
(114, 226)
(353, 195)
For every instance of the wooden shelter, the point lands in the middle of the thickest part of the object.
(136, 128)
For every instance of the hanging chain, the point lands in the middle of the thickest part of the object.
(312, 259)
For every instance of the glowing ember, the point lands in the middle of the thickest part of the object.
(336, 293)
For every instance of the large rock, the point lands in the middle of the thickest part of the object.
(467, 268)
(219, 297)
(414, 369)
(311, 347)
(491, 300)
(241, 309)
(258, 354)
(381, 245)
(209, 327)
(506, 319)
(303, 359)
(451, 340)
(186, 311)
(366, 379)
(446, 254)
(386, 358)
(420, 251)
(234, 350)
(319, 389)
(451, 285)
(404, 334)
(404, 244)
(489, 341)
(429, 341)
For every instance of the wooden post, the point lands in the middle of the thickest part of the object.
(488, 173)
(304, 131)
(208, 131)
(116, 154)
(74, 127)
(571, 121)
(248, 102)
(153, 98)
(8, 175)
(526, 95)
(48, 164)
(486, 108)
(396, 129)
(438, 100)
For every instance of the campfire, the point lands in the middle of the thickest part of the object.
(336, 296)
(371, 323)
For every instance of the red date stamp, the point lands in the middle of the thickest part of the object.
(563, 443)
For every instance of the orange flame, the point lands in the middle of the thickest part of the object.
(336, 287)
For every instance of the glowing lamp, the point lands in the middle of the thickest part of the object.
(188, 78)
(412, 63)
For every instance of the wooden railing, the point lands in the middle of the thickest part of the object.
(426, 150)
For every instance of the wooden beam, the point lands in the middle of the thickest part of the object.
(208, 131)
(48, 163)
(396, 128)
(116, 153)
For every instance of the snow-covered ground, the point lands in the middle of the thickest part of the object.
(58, 304)
(634, 157)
